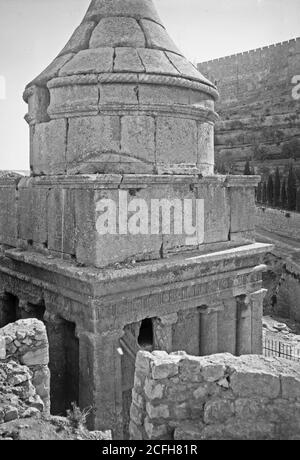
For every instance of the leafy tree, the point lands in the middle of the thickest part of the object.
(283, 195)
(277, 188)
(270, 191)
(291, 189)
(247, 170)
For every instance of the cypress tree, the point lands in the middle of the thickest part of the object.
(277, 188)
(291, 189)
(259, 193)
(283, 198)
(247, 170)
(270, 191)
(264, 194)
(298, 200)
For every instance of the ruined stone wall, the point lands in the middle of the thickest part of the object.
(183, 397)
(288, 292)
(258, 112)
(24, 373)
(284, 223)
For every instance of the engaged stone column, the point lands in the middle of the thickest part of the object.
(57, 362)
(244, 329)
(100, 380)
(209, 329)
(227, 327)
(163, 332)
(257, 299)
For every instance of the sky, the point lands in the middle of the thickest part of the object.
(32, 32)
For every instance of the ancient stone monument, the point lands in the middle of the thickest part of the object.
(121, 119)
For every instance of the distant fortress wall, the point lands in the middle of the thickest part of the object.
(257, 107)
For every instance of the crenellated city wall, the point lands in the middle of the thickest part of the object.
(259, 108)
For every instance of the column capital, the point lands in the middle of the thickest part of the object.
(168, 320)
(210, 309)
(53, 318)
(258, 295)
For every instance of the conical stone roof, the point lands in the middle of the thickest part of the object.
(121, 98)
(121, 36)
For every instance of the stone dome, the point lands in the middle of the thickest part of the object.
(127, 96)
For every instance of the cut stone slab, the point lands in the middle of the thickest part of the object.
(176, 140)
(186, 68)
(158, 37)
(49, 147)
(73, 98)
(89, 137)
(127, 60)
(112, 32)
(155, 61)
(80, 38)
(138, 137)
(115, 93)
(90, 61)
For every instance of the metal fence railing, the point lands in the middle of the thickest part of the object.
(274, 348)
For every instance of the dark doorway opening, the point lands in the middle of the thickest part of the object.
(9, 310)
(145, 339)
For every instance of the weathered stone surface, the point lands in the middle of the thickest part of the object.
(38, 103)
(116, 93)
(34, 358)
(61, 221)
(131, 8)
(157, 36)
(212, 372)
(32, 213)
(245, 383)
(24, 376)
(216, 211)
(89, 137)
(138, 137)
(73, 99)
(80, 38)
(176, 140)
(242, 215)
(2, 348)
(153, 390)
(163, 94)
(8, 215)
(186, 68)
(290, 387)
(127, 60)
(154, 412)
(155, 61)
(89, 61)
(48, 151)
(218, 411)
(219, 397)
(206, 146)
(113, 32)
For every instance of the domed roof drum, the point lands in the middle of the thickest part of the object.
(121, 98)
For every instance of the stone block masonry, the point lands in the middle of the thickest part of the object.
(24, 373)
(283, 223)
(258, 110)
(220, 397)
